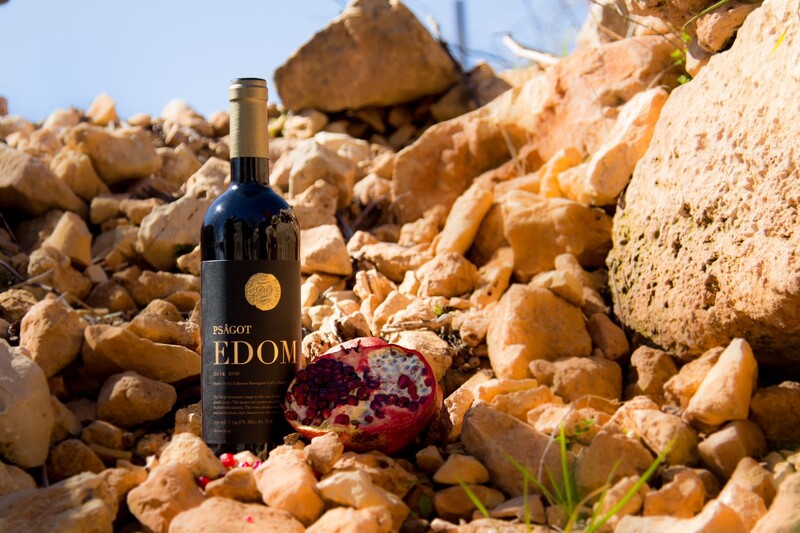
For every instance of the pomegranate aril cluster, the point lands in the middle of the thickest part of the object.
(323, 386)
(330, 391)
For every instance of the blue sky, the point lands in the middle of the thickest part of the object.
(59, 53)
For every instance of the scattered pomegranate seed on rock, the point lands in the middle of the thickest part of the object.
(227, 460)
(374, 395)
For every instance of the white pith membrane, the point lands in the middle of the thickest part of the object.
(374, 383)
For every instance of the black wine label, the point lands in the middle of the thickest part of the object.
(251, 347)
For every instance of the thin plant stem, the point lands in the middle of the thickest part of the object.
(706, 11)
(527, 475)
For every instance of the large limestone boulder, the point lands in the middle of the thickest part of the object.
(27, 184)
(705, 242)
(26, 415)
(574, 104)
(376, 53)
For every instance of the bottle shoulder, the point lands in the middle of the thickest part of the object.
(247, 201)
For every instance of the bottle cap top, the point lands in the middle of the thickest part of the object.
(248, 88)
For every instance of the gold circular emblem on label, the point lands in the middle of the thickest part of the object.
(263, 291)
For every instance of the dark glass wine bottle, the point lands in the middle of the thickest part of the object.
(250, 291)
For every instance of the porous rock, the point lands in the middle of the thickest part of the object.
(531, 323)
(168, 491)
(610, 457)
(173, 229)
(323, 250)
(540, 229)
(75, 169)
(566, 106)
(117, 155)
(776, 410)
(52, 334)
(27, 416)
(72, 457)
(188, 449)
(223, 515)
(27, 183)
(784, 514)
(724, 394)
(573, 377)
(111, 349)
(492, 436)
(685, 255)
(287, 482)
(129, 399)
(76, 505)
(345, 56)
(722, 451)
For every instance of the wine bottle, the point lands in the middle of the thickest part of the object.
(250, 291)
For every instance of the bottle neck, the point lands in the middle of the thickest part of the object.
(249, 170)
(249, 136)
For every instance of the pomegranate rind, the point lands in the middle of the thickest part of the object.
(399, 426)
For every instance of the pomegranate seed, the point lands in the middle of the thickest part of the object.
(228, 460)
(249, 520)
(342, 419)
(203, 481)
(256, 464)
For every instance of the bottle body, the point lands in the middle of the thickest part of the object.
(250, 298)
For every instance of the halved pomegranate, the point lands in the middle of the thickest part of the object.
(375, 395)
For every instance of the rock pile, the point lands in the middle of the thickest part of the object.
(477, 236)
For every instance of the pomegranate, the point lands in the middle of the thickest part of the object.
(374, 395)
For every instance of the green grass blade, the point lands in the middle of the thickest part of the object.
(474, 499)
(599, 505)
(560, 499)
(569, 482)
(628, 495)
